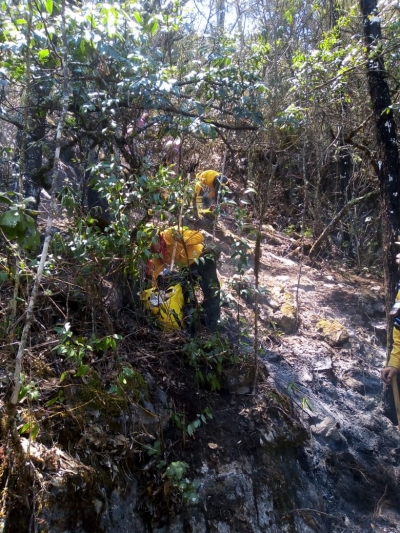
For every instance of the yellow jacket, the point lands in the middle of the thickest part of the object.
(206, 179)
(395, 353)
(188, 245)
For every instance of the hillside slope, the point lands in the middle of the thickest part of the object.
(310, 450)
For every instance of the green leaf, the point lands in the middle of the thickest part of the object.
(25, 428)
(34, 431)
(63, 375)
(128, 372)
(138, 17)
(10, 219)
(82, 371)
(43, 54)
(34, 395)
(30, 200)
(176, 470)
(5, 199)
(49, 6)
(154, 27)
(52, 401)
(29, 242)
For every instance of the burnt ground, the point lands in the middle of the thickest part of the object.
(336, 385)
(318, 408)
(330, 447)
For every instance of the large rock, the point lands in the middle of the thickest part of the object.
(285, 318)
(333, 332)
(327, 429)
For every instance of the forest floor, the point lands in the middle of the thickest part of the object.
(350, 450)
(333, 377)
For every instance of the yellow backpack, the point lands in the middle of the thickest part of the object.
(166, 305)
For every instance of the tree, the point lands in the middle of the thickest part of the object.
(386, 132)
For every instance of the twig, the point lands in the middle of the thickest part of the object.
(308, 509)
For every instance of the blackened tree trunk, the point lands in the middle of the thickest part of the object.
(388, 163)
(31, 149)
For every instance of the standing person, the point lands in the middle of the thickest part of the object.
(185, 249)
(207, 188)
(393, 366)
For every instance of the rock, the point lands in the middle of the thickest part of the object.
(354, 384)
(149, 421)
(273, 304)
(162, 397)
(327, 429)
(271, 357)
(285, 319)
(334, 333)
(245, 287)
(362, 381)
(325, 367)
(305, 377)
(283, 260)
(238, 379)
(282, 278)
(380, 331)
(304, 287)
(277, 291)
(376, 307)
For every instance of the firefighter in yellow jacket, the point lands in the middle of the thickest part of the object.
(207, 188)
(393, 366)
(184, 248)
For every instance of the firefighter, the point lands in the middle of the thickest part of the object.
(207, 189)
(393, 365)
(184, 249)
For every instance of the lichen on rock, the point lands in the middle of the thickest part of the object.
(333, 332)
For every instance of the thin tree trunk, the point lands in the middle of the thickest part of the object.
(32, 300)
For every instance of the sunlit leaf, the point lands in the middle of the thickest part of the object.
(154, 27)
(43, 54)
(34, 432)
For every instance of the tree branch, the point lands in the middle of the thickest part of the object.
(317, 244)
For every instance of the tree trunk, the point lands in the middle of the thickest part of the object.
(31, 160)
(388, 163)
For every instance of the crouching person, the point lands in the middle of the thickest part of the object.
(208, 188)
(184, 250)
